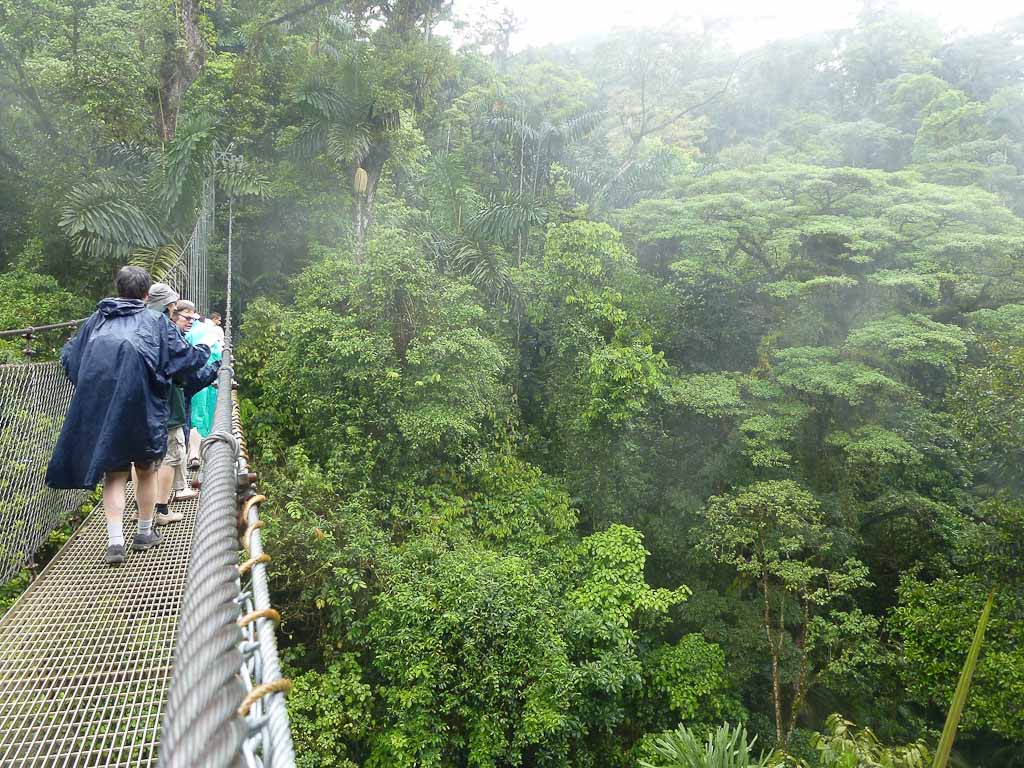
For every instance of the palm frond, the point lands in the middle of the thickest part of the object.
(482, 265)
(158, 260)
(341, 26)
(130, 157)
(100, 219)
(584, 182)
(323, 97)
(512, 127)
(186, 160)
(349, 143)
(309, 141)
(578, 126)
(238, 178)
(503, 220)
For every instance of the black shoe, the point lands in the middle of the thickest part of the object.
(115, 554)
(144, 541)
(193, 465)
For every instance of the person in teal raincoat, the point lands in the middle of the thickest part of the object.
(204, 402)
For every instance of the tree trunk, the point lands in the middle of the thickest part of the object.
(776, 674)
(179, 68)
(802, 678)
(362, 208)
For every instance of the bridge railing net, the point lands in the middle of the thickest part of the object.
(190, 274)
(33, 400)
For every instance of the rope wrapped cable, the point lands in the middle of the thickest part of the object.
(227, 692)
(201, 722)
(32, 330)
(35, 397)
(264, 705)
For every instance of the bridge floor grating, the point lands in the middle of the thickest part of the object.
(85, 652)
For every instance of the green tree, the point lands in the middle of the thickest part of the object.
(935, 623)
(773, 534)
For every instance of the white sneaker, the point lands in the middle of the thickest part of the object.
(170, 517)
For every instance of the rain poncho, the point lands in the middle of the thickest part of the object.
(121, 363)
(204, 402)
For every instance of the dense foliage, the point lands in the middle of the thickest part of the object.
(602, 393)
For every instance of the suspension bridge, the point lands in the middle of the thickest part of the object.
(169, 660)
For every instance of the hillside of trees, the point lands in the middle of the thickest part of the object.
(595, 389)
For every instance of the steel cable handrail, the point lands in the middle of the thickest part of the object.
(201, 724)
(34, 329)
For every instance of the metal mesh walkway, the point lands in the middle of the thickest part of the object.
(85, 653)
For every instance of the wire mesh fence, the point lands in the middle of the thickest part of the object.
(269, 744)
(33, 402)
(34, 398)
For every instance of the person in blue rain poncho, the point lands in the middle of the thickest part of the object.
(121, 363)
(204, 402)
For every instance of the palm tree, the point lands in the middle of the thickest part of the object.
(341, 122)
(604, 188)
(144, 199)
(537, 145)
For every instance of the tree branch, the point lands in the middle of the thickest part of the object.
(701, 104)
(24, 88)
(296, 12)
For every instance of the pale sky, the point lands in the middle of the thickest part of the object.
(559, 21)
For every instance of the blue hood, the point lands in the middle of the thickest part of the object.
(120, 307)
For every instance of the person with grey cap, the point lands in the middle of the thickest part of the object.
(171, 475)
(174, 481)
(162, 298)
